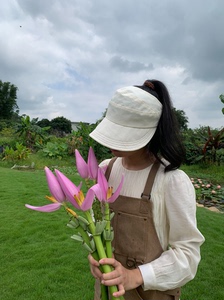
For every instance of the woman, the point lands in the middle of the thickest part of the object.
(157, 243)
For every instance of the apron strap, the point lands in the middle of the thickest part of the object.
(109, 167)
(150, 180)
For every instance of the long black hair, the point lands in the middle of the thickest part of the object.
(166, 142)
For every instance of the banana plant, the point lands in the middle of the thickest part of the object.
(213, 143)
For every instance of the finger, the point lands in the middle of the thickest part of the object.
(92, 261)
(96, 272)
(111, 275)
(120, 292)
(109, 261)
(110, 282)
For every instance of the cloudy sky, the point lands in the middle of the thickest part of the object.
(67, 57)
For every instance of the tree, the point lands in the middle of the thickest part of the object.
(181, 118)
(61, 125)
(221, 97)
(44, 123)
(8, 103)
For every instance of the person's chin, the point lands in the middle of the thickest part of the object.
(116, 153)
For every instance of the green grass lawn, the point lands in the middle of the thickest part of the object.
(38, 260)
(208, 283)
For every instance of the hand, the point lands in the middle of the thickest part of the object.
(94, 267)
(123, 278)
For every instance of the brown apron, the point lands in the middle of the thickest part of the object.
(135, 238)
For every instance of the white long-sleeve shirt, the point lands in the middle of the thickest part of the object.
(174, 214)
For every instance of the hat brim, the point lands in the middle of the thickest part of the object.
(117, 137)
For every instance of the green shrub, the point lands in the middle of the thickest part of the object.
(7, 137)
(83, 141)
(55, 150)
(20, 153)
(204, 144)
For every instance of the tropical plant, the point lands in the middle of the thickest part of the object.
(55, 150)
(30, 132)
(214, 142)
(21, 152)
(73, 142)
(204, 144)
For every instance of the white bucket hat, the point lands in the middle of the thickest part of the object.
(131, 120)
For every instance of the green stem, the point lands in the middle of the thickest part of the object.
(101, 253)
(84, 234)
(98, 242)
(104, 289)
(108, 230)
(104, 292)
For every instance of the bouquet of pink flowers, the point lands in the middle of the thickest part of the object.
(93, 226)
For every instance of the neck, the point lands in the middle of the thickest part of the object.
(138, 160)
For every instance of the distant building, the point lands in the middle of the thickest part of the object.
(76, 124)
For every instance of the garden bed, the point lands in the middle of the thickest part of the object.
(212, 204)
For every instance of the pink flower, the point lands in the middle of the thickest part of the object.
(58, 196)
(213, 192)
(54, 186)
(208, 185)
(85, 202)
(218, 187)
(89, 169)
(73, 193)
(68, 187)
(103, 191)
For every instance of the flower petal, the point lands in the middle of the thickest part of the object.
(54, 186)
(102, 181)
(98, 192)
(117, 192)
(45, 208)
(92, 164)
(69, 188)
(81, 165)
(88, 201)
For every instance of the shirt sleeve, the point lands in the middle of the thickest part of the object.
(103, 165)
(177, 265)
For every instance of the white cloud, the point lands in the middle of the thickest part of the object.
(68, 57)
